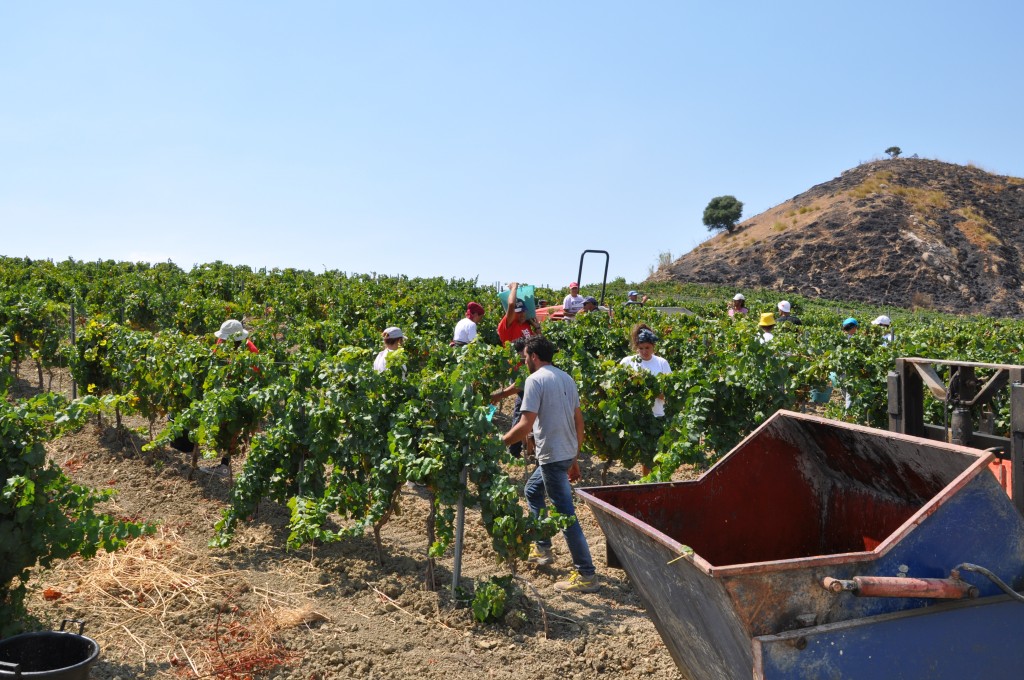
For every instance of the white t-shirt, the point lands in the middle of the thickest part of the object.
(766, 337)
(380, 364)
(656, 365)
(465, 331)
(572, 304)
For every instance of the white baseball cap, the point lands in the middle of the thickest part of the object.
(882, 321)
(785, 307)
(738, 296)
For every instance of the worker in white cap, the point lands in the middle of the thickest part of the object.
(738, 306)
(885, 323)
(233, 334)
(393, 339)
(786, 315)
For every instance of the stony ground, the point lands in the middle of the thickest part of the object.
(171, 607)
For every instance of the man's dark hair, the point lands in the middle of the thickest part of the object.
(541, 347)
(518, 345)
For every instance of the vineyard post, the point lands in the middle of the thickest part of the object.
(460, 523)
(895, 414)
(911, 399)
(1017, 437)
(74, 385)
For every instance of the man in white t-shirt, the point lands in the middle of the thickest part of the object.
(573, 302)
(465, 329)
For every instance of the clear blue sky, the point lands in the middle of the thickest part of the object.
(470, 139)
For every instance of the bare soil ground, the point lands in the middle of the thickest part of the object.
(170, 607)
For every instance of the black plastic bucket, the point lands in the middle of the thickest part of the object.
(51, 655)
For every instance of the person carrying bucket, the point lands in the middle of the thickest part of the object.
(515, 324)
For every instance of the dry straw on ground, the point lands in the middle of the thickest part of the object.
(159, 584)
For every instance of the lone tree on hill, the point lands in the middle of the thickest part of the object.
(894, 151)
(723, 212)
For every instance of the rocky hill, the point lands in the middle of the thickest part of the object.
(903, 232)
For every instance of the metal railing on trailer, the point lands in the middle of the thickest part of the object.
(963, 395)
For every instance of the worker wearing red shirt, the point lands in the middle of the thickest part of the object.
(514, 324)
(512, 327)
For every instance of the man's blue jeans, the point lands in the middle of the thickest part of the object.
(553, 478)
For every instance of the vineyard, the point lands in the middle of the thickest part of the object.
(326, 444)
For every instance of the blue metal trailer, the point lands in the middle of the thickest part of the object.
(822, 549)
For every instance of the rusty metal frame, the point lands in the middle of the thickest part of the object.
(913, 375)
(769, 567)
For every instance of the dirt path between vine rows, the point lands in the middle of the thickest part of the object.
(170, 607)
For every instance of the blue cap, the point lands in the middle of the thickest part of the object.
(850, 321)
(646, 335)
(631, 293)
